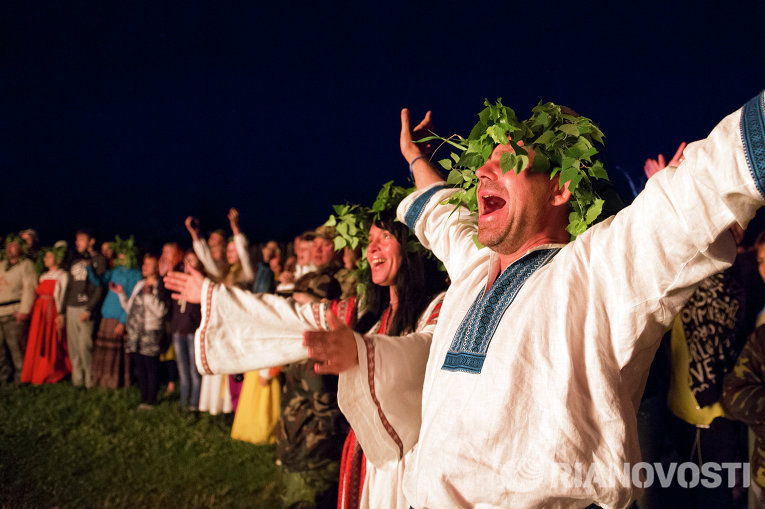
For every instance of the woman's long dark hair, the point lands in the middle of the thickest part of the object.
(413, 295)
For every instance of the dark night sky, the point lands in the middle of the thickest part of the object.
(124, 117)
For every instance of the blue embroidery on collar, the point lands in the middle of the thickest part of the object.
(415, 211)
(471, 341)
(753, 136)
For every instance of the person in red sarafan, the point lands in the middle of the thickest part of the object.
(46, 359)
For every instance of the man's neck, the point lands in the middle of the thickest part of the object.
(507, 259)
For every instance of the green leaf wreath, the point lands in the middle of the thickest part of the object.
(126, 247)
(352, 223)
(563, 144)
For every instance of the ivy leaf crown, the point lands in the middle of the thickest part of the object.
(128, 248)
(58, 253)
(563, 143)
(352, 223)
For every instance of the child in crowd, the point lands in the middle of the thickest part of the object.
(144, 329)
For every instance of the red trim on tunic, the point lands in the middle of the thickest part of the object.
(433, 318)
(345, 310)
(203, 332)
(384, 326)
(316, 308)
(352, 473)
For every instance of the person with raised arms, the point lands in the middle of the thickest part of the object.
(538, 362)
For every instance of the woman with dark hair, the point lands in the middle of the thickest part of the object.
(394, 281)
(394, 307)
(267, 330)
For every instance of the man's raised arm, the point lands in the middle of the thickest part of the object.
(423, 171)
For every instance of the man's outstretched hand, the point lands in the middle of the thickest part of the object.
(187, 287)
(335, 348)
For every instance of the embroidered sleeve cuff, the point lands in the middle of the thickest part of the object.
(753, 137)
(200, 336)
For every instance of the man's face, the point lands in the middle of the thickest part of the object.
(216, 240)
(304, 250)
(171, 253)
(28, 239)
(323, 251)
(81, 242)
(106, 250)
(13, 250)
(511, 208)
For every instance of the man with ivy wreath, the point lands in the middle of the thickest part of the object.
(539, 360)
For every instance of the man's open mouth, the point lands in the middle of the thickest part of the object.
(491, 204)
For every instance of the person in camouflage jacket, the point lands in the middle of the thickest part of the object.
(312, 428)
(743, 397)
(309, 436)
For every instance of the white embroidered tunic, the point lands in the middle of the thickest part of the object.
(552, 376)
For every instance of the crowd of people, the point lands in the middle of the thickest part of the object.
(101, 316)
(371, 370)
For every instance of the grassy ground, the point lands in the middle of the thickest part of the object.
(66, 447)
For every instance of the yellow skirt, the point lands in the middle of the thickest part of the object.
(257, 413)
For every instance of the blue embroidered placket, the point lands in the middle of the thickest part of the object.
(471, 341)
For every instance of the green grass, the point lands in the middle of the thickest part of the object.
(63, 447)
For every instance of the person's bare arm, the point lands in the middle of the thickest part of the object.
(233, 219)
(192, 227)
(423, 171)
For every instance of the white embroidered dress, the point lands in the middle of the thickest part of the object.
(242, 331)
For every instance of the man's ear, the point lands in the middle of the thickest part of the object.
(559, 195)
